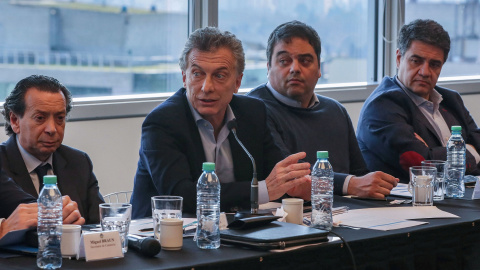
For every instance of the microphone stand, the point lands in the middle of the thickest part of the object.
(232, 125)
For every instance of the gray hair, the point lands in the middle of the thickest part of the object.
(427, 31)
(210, 39)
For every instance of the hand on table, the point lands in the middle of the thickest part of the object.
(372, 185)
(71, 214)
(24, 217)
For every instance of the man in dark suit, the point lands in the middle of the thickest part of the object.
(18, 209)
(408, 118)
(35, 114)
(300, 120)
(191, 128)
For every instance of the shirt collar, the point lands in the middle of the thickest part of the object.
(289, 101)
(32, 162)
(435, 97)
(229, 116)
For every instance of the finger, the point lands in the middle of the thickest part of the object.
(387, 178)
(68, 209)
(72, 217)
(295, 182)
(66, 200)
(298, 166)
(79, 221)
(381, 192)
(293, 158)
(295, 174)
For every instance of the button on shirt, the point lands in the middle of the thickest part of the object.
(219, 150)
(295, 103)
(32, 163)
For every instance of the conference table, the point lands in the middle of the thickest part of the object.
(443, 243)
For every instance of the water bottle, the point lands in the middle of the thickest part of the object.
(49, 226)
(208, 208)
(322, 193)
(455, 171)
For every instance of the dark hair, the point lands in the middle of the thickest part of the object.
(15, 102)
(427, 31)
(289, 30)
(210, 39)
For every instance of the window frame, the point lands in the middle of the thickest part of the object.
(385, 17)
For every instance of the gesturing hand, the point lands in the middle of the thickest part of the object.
(287, 176)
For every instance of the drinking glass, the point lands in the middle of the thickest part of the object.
(165, 207)
(116, 217)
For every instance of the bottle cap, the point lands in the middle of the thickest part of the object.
(322, 154)
(457, 128)
(50, 179)
(208, 166)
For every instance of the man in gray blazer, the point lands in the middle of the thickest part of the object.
(35, 113)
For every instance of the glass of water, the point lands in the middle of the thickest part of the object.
(165, 207)
(422, 179)
(116, 217)
(439, 185)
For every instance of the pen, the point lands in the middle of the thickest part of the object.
(366, 198)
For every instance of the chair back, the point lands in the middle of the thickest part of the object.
(118, 197)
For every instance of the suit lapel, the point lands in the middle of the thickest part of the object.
(17, 167)
(60, 169)
(241, 162)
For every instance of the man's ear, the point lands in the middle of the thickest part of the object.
(15, 122)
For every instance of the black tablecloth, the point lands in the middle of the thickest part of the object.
(444, 243)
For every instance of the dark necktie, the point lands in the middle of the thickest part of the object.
(41, 171)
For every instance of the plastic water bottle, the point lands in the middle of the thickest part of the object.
(49, 226)
(322, 192)
(208, 208)
(455, 187)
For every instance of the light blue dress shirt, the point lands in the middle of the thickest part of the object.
(32, 163)
(219, 150)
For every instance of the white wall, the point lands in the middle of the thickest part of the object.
(113, 144)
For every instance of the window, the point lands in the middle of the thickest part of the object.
(95, 48)
(344, 41)
(461, 19)
(120, 58)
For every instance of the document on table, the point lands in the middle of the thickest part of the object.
(401, 190)
(389, 218)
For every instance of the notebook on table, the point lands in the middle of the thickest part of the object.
(276, 235)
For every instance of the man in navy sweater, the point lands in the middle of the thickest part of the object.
(300, 120)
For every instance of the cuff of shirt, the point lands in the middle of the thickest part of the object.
(345, 184)
(262, 192)
(474, 152)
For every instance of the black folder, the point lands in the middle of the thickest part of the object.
(276, 235)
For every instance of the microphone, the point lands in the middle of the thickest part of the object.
(145, 245)
(232, 126)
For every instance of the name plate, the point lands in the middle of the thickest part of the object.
(103, 245)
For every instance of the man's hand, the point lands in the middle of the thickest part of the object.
(287, 175)
(71, 214)
(372, 185)
(24, 216)
(303, 190)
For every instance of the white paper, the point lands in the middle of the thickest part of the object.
(389, 218)
(270, 205)
(401, 190)
(476, 191)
